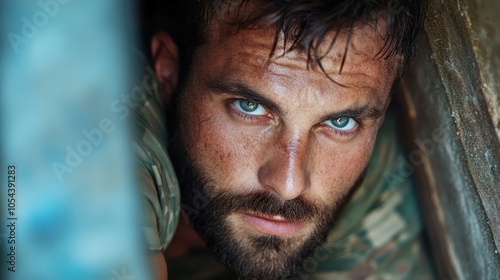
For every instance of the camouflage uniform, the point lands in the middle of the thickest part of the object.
(155, 171)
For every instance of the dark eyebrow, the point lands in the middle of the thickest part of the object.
(366, 111)
(244, 91)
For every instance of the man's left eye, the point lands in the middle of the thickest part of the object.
(343, 124)
(250, 108)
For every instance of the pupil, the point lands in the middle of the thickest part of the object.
(341, 122)
(248, 105)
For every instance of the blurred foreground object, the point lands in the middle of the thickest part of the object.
(69, 207)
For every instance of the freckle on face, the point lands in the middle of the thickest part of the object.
(291, 159)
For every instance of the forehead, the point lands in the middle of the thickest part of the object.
(244, 54)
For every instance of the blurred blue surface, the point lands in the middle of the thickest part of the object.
(63, 63)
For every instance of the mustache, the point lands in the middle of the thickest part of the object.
(265, 204)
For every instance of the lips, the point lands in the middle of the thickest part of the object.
(276, 225)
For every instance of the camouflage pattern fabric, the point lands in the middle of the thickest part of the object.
(156, 175)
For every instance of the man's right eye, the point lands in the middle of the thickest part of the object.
(250, 107)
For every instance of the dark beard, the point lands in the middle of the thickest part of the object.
(263, 256)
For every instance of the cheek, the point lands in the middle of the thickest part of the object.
(335, 171)
(225, 153)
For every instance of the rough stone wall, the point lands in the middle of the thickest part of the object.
(450, 96)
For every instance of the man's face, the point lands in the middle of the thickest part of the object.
(276, 146)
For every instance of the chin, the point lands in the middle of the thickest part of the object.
(253, 252)
(254, 255)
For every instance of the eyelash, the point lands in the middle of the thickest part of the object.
(257, 119)
(347, 134)
(246, 117)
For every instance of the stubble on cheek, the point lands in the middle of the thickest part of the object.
(217, 149)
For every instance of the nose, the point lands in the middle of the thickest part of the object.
(285, 170)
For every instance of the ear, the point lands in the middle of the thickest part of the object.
(166, 63)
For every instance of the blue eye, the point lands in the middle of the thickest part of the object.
(249, 107)
(343, 124)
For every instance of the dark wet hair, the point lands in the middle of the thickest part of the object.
(305, 23)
